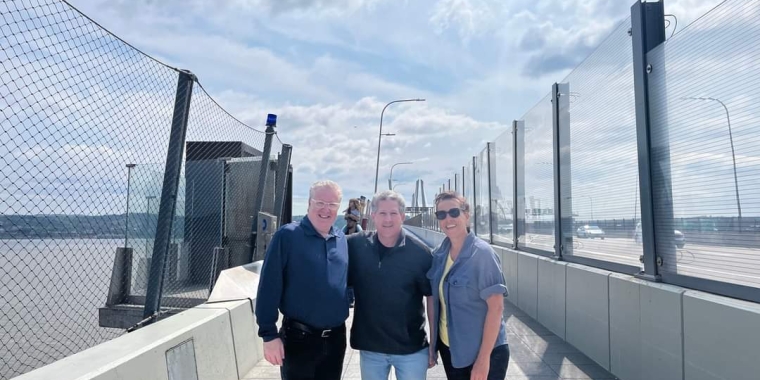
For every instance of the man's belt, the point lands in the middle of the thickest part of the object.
(324, 333)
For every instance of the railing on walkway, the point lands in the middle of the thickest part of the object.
(651, 143)
(104, 150)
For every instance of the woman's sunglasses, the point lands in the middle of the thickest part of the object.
(454, 213)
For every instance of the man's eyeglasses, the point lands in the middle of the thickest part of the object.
(321, 204)
(454, 213)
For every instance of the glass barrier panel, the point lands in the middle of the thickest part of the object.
(539, 178)
(597, 103)
(706, 111)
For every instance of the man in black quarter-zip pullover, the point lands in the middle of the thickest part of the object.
(387, 270)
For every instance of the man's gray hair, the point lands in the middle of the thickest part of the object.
(389, 195)
(325, 183)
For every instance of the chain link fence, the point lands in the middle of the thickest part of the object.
(86, 122)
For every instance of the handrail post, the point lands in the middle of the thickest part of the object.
(518, 224)
(262, 181)
(474, 196)
(282, 181)
(167, 205)
(563, 208)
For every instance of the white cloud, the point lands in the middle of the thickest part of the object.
(339, 141)
(472, 17)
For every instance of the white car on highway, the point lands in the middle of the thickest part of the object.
(590, 232)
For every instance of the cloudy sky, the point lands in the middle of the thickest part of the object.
(327, 68)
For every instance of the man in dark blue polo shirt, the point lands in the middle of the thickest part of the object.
(304, 277)
(387, 270)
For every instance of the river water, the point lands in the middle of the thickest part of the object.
(50, 292)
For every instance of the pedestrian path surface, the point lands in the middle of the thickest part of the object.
(535, 354)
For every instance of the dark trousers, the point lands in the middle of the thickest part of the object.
(496, 371)
(310, 356)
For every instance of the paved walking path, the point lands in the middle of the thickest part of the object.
(535, 354)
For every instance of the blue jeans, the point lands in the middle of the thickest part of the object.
(377, 366)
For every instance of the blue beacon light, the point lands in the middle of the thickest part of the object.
(271, 120)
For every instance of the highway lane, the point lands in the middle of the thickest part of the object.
(737, 265)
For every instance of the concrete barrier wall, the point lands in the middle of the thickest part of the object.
(645, 329)
(432, 238)
(527, 283)
(634, 328)
(213, 341)
(721, 337)
(587, 312)
(509, 267)
(246, 342)
(551, 295)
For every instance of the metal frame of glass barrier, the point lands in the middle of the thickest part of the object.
(464, 194)
(518, 155)
(718, 287)
(646, 34)
(474, 218)
(489, 182)
(563, 220)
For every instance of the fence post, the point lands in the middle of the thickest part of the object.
(563, 205)
(491, 213)
(287, 213)
(648, 31)
(263, 171)
(281, 185)
(166, 209)
(518, 224)
(474, 196)
(464, 188)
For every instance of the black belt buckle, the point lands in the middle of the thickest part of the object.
(326, 333)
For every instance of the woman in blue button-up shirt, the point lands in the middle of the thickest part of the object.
(468, 298)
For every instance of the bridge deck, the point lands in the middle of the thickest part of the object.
(535, 354)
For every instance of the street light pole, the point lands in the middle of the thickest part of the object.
(390, 178)
(380, 134)
(147, 241)
(126, 222)
(733, 154)
(592, 205)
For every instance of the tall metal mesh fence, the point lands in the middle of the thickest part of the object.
(86, 120)
(222, 163)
